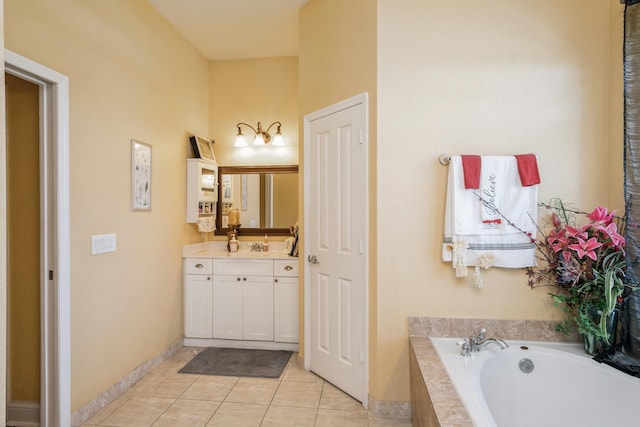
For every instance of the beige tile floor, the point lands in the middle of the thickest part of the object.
(298, 398)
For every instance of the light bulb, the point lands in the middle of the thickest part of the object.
(278, 140)
(240, 141)
(259, 139)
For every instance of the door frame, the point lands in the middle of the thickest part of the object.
(55, 357)
(360, 99)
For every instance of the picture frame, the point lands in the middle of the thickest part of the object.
(140, 176)
(202, 148)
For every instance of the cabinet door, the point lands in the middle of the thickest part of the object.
(258, 308)
(227, 307)
(198, 308)
(286, 309)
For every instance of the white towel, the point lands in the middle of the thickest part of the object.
(470, 221)
(206, 224)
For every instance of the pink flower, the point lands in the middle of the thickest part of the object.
(616, 239)
(556, 221)
(580, 233)
(601, 215)
(587, 248)
(609, 235)
(557, 240)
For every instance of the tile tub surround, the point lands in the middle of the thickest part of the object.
(434, 400)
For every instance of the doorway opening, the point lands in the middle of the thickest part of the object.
(53, 263)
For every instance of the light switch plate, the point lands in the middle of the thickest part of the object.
(103, 243)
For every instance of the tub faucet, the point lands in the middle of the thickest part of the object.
(473, 344)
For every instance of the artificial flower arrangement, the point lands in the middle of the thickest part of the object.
(585, 262)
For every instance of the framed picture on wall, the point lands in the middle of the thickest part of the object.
(140, 176)
(202, 148)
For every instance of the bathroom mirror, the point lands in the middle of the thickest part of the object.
(266, 197)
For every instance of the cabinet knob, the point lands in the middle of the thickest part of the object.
(199, 265)
(208, 277)
(244, 278)
(288, 268)
(238, 279)
(275, 280)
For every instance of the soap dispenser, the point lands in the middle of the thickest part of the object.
(265, 245)
(233, 244)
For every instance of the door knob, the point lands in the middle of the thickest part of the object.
(313, 259)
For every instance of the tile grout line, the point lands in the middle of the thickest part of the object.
(315, 421)
(175, 400)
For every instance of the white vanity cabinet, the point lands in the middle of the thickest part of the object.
(243, 299)
(241, 302)
(198, 297)
(285, 282)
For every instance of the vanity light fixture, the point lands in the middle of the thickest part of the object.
(262, 137)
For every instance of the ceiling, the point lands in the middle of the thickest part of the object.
(235, 29)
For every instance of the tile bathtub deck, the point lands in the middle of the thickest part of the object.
(298, 398)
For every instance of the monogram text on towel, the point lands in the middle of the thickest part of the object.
(488, 201)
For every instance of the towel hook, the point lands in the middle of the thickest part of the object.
(444, 159)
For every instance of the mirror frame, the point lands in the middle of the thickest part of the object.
(238, 170)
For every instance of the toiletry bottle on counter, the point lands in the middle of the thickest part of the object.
(233, 244)
(265, 246)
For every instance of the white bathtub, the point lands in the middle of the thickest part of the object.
(565, 389)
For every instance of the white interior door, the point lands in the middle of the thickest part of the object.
(335, 246)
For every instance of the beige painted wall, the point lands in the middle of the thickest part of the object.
(337, 60)
(491, 77)
(23, 239)
(251, 91)
(131, 76)
(616, 105)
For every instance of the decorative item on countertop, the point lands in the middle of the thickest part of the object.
(232, 236)
(234, 217)
(288, 244)
(585, 263)
(265, 245)
(294, 247)
(233, 244)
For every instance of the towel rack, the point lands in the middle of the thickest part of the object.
(444, 159)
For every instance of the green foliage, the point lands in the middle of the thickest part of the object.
(584, 263)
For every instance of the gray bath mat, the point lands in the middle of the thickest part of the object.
(238, 362)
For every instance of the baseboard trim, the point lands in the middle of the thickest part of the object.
(102, 400)
(257, 345)
(23, 414)
(386, 409)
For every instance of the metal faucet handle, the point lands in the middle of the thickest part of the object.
(482, 332)
(466, 348)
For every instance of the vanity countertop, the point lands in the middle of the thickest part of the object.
(240, 254)
(217, 249)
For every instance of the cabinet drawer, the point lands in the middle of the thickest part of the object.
(244, 267)
(287, 267)
(198, 266)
